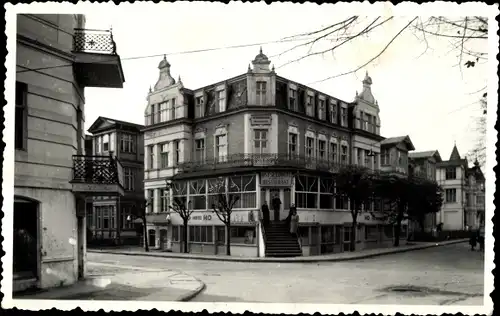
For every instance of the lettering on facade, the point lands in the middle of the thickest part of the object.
(206, 217)
(260, 120)
(276, 179)
(90, 187)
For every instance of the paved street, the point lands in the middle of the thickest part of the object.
(436, 276)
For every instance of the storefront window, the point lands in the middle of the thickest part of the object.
(197, 194)
(175, 233)
(303, 233)
(388, 231)
(306, 192)
(245, 188)
(371, 232)
(220, 232)
(200, 234)
(327, 239)
(243, 235)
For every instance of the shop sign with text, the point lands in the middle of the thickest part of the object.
(276, 179)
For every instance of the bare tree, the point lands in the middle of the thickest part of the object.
(479, 151)
(184, 210)
(463, 35)
(139, 211)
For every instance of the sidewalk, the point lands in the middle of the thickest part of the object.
(151, 285)
(363, 254)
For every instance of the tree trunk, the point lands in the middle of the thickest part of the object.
(186, 236)
(146, 245)
(228, 241)
(353, 230)
(397, 232)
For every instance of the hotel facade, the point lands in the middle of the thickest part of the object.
(263, 136)
(56, 59)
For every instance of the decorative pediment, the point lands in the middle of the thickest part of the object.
(200, 130)
(311, 128)
(322, 131)
(293, 123)
(260, 120)
(101, 123)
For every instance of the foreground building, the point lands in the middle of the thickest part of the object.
(50, 188)
(109, 221)
(262, 136)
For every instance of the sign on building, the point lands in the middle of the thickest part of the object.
(276, 179)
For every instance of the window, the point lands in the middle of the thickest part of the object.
(321, 109)
(385, 157)
(333, 113)
(164, 111)
(199, 108)
(333, 152)
(164, 156)
(127, 143)
(322, 149)
(327, 239)
(164, 200)
(451, 173)
(20, 120)
(292, 103)
(221, 147)
(151, 200)
(451, 195)
(126, 211)
(400, 159)
(375, 162)
(326, 193)
(173, 110)
(221, 101)
(367, 158)
(105, 142)
(214, 187)
(371, 232)
(343, 155)
(261, 92)
(245, 187)
(197, 195)
(243, 235)
(306, 192)
(343, 116)
(310, 105)
(260, 141)
(292, 144)
(151, 156)
(309, 147)
(200, 150)
(358, 156)
(202, 234)
(177, 151)
(152, 114)
(129, 178)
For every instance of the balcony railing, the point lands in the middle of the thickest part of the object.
(94, 41)
(97, 170)
(260, 160)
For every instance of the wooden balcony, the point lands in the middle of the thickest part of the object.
(260, 160)
(97, 63)
(97, 175)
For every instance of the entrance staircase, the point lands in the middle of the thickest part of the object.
(279, 241)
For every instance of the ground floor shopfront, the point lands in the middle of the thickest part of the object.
(325, 220)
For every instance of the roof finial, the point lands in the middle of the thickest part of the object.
(273, 68)
(165, 56)
(179, 78)
(150, 90)
(261, 49)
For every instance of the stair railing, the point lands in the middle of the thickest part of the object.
(262, 236)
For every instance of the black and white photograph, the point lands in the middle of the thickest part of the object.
(276, 158)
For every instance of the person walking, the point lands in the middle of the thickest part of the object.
(473, 240)
(294, 223)
(290, 213)
(265, 213)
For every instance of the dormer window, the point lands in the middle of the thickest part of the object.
(321, 110)
(343, 116)
(199, 108)
(333, 113)
(261, 92)
(221, 101)
(292, 102)
(310, 105)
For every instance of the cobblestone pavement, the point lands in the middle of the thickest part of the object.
(435, 276)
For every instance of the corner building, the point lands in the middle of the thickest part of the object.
(264, 136)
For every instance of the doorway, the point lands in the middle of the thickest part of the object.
(347, 238)
(25, 258)
(285, 197)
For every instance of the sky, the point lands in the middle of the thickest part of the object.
(425, 96)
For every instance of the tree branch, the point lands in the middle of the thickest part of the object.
(324, 29)
(372, 59)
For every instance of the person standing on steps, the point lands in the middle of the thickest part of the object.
(290, 212)
(265, 213)
(276, 202)
(294, 223)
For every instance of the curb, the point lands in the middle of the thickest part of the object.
(309, 259)
(192, 294)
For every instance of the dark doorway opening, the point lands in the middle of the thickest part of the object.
(25, 256)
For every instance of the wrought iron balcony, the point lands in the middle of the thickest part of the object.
(97, 63)
(97, 175)
(260, 160)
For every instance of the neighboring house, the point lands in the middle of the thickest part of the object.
(394, 155)
(423, 164)
(50, 187)
(110, 220)
(262, 136)
(474, 197)
(451, 175)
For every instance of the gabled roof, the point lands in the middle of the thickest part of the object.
(399, 139)
(103, 123)
(426, 154)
